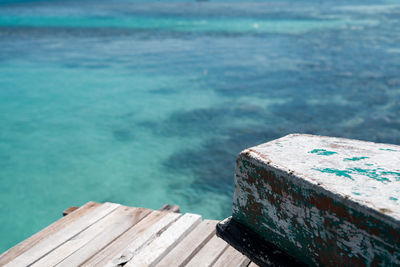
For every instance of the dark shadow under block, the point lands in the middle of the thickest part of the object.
(253, 246)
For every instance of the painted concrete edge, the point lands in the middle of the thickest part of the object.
(263, 161)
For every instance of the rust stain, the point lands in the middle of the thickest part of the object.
(376, 262)
(254, 210)
(384, 210)
(334, 256)
(261, 155)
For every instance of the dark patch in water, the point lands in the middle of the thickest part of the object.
(300, 112)
(376, 128)
(212, 120)
(192, 122)
(257, 82)
(123, 135)
(85, 65)
(5, 160)
(213, 164)
(127, 115)
(163, 91)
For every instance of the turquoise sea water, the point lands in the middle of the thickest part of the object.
(149, 103)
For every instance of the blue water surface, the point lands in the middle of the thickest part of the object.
(146, 103)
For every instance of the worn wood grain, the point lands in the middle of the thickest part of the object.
(130, 217)
(231, 258)
(209, 254)
(122, 242)
(19, 249)
(156, 250)
(190, 245)
(151, 232)
(53, 241)
(117, 221)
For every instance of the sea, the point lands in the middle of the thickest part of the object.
(149, 102)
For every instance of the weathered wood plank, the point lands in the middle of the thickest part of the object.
(146, 236)
(118, 227)
(156, 250)
(19, 249)
(122, 242)
(209, 254)
(190, 245)
(103, 239)
(231, 258)
(53, 241)
(75, 242)
(115, 222)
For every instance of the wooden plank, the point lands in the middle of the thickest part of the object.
(58, 238)
(19, 249)
(209, 254)
(145, 237)
(120, 219)
(130, 217)
(156, 250)
(230, 258)
(122, 242)
(75, 242)
(190, 245)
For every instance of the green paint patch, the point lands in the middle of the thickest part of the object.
(368, 164)
(322, 152)
(393, 198)
(355, 158)
(387, 149)
(371, 173)
(395, 174)
(355, 193)
(344, 173)
(381, 176)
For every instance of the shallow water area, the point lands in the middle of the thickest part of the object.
(149, 103)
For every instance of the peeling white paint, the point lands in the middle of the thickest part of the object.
(292, 152)
(298, 160)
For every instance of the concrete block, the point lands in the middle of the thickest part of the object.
(326, 201)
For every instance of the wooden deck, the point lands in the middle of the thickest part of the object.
(115, 235)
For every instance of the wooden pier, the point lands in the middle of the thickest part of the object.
(300, 200)
(111, 234)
